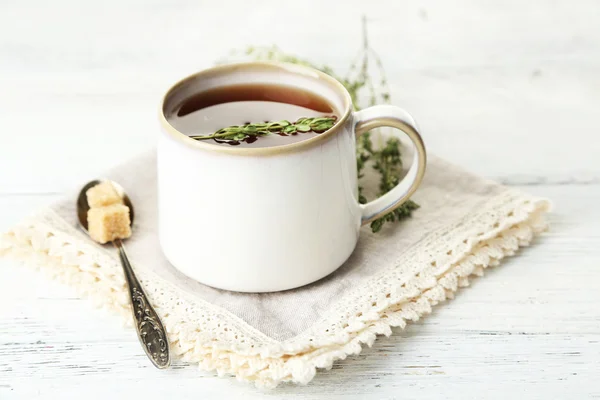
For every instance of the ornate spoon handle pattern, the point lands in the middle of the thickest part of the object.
(149, 328)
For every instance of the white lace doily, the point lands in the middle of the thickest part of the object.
(482, 223)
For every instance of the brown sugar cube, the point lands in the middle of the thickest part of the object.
(103, 194)
(108, 223)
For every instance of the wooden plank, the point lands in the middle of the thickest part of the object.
(497, 89)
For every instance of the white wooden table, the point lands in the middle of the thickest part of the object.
(510, 90)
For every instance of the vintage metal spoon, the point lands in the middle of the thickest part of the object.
(150, 330)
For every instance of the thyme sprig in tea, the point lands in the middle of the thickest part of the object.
(254, 130)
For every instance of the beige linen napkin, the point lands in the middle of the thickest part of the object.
(464, 225)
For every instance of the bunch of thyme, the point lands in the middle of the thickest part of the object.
(385, 159)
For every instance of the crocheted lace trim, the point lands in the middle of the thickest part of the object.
(217, 340)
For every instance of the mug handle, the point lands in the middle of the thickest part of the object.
(394, 117)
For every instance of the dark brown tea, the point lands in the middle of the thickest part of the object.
(236, 105)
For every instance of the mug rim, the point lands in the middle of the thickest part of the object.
(258, 151)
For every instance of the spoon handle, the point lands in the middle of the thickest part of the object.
(150, 330)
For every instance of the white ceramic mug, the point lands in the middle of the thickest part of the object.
(271, 218)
